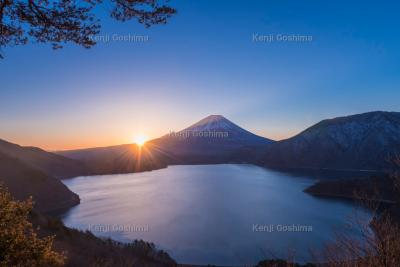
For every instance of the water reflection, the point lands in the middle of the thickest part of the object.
(209, 214)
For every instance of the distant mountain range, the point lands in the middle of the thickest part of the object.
(359, 142)
(213, 139)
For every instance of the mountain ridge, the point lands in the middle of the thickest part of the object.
(30, 171)
(50, 163)
(361, 141)
(22, 180)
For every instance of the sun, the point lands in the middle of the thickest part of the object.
(140, 140)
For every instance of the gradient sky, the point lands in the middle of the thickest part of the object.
(204, 62)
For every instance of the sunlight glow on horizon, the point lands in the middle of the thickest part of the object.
(120, 135)
(140, 140)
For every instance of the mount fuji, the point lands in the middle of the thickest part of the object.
(217, 129)
(213, 139)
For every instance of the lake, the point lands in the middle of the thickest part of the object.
(225, 214)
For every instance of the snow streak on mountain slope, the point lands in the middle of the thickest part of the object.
(219, 126)
(363, 141)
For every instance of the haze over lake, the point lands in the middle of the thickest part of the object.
(209, 214)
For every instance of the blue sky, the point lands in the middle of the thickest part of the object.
(205, 61)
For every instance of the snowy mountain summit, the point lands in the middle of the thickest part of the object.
(214, 122)
(214, 139)
(217, 126)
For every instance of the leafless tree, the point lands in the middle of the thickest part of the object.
(379, 241)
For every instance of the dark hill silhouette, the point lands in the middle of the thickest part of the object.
(50, 163)
(118, 159)
(23, 181)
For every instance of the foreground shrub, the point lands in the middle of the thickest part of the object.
(19, 243)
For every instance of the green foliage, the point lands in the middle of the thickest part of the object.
(19, 243)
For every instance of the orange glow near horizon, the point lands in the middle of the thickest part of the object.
(114, 129)
(55, 143)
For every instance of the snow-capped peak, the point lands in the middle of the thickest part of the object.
(220, 124)
(214, 122)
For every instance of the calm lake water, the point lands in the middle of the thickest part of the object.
(210, 214)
